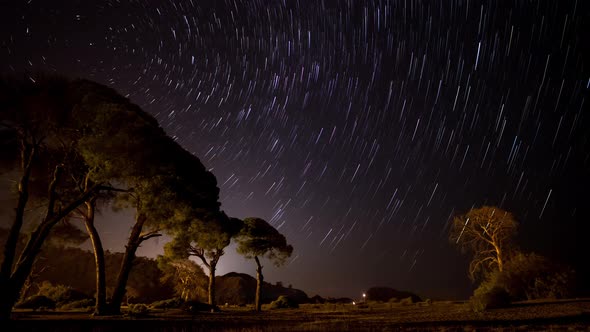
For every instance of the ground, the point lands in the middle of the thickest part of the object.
(572, 315)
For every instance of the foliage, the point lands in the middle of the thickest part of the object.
(284, 302)
(188, 278)
(167, 304)
(489, 296)
(258, 238)
(80, 304)
(71, 140)
(194, 307)
(138, 310)
(60, 293)
(407, 301)
(384, 294)
(487, 232)
(36, 302)
(531, 276)
(204, 235)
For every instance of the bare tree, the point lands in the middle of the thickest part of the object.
(487, 232)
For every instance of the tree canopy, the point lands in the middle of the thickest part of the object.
(72, 140)
(258, 239)
(487, 232)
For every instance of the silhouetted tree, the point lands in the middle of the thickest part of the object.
(487, 232)
(34, 120)
(258, 239)
(204, 237)
(83, 136)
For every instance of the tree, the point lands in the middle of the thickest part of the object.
(75, 139)
(188, 278)
(181, 189)
(32, 117)
(258, 239)
(487, 232)
(528, 276)
(204, 237)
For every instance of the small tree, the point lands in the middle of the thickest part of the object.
(204, 237)
(487, 232)
(186, 276)
(259, 239)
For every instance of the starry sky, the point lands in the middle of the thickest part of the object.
(356, 128)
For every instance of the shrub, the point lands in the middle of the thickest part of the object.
(407, 301)
(37, 302)
(60, 293)
(489, 296)
(78, 304)
(138, 310)
(167, 304)
(196, 306)
(283, 302)
(393, 300)
(530, 276)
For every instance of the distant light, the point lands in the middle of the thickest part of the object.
(364, 295)
(353, 303)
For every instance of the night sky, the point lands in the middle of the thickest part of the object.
(357, 128)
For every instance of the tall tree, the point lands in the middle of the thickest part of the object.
(30, 115)
(487, 232)
(181, 189)
(205, 237)
(258, 239)
(83, 137)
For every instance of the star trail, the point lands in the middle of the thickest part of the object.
(356, 128)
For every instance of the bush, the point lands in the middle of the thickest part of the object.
(138, 310)
(167, 304)
(283, 302)
(37, 302)
(489, 296)
(194, 307)
(407, 301)
(530, 276)
(78, 304)
(60, 293)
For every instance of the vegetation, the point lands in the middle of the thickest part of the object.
(489, 296)
(385, 294)
(36, 302)
(138, 310)
(204, 237)
(487, 233)
(258, 239)
(71, 142)
(284, 302)
(168, 304)
(186, 276)
(507, 274)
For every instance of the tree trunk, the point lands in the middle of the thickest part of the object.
(27, 156)
(499, 254)
(9, 297)
(259, 280)
(11, 287)
(101, 293)
(212, 286)
(127, 264)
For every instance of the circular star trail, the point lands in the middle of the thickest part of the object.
(357, 128)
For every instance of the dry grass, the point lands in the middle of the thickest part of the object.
(445, 316)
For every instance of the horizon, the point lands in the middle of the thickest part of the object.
(357, 129)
